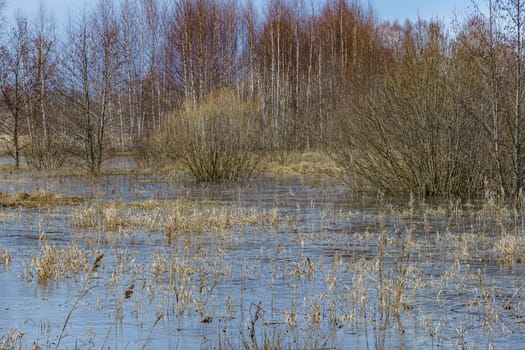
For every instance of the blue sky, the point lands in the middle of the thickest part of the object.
(386, 9)
(425, 9)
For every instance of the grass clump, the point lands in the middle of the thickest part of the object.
(310, 162)
(199, 220)
(86, 217)
(13, 339)
(57, 263)
(39, 199)
(114, 218)
(149, 205)
(5, 258)
(510, 249)
(176, 217)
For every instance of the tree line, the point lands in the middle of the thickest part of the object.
(418, 106)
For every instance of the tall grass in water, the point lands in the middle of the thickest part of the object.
(5, 258)
(36, 200)
(56, 263)
(89, 282)
(179, 217)
(404, 269)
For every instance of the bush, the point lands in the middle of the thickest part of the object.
(150, 153)
(412, 133)
(216, 139)
(45, 155)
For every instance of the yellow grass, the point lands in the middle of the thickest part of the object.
(311, 162)
(175, 217)
(56, 263)
(510, 249)
(5, 258)
(36, 200)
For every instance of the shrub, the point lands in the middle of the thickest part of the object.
(412, 132)
(45, 155)
(216, 139)
(150, 152)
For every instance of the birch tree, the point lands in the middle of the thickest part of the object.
(91, 69)
(14, 82)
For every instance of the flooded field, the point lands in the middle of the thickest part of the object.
(159, 262)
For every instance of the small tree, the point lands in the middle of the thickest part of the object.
(46, 148)
(216, 139)
(90, 69)
(14, 74)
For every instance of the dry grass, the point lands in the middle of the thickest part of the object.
(217, 220)
(13, 339)
(406, 262)
(311, 162)
(175, 217)
(510, 249)
(36, 200)
(118, 216)
(113, 219)
(58, 263)
(151, 204)
(6, 258)
(86, 217)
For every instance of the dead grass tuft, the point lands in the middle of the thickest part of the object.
(114, 219)
(38, 199)
(178, 217)
(216, 220)
(13, 339)
(314, 162)
(86, 217)
(6, 258)
(56, 263)
(510, 249)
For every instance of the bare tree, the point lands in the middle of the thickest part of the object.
(489, 51)
(204, 37)
(14, 75)
(45, 149)
(514, 10)
(91, 65)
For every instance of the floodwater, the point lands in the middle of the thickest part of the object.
(330, 270)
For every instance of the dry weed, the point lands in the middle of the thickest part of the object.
(6, 258)
(55, 263)
(179, 217)
(36, 200)
(12, 339)
(510, 249)
(86, 217)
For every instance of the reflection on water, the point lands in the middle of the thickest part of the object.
(317, 268)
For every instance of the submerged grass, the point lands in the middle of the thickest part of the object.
(174, 217)
(53, 263)
(5, 258)
(36, 200)
(304, 163)
(310, 277)
(510, 249)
